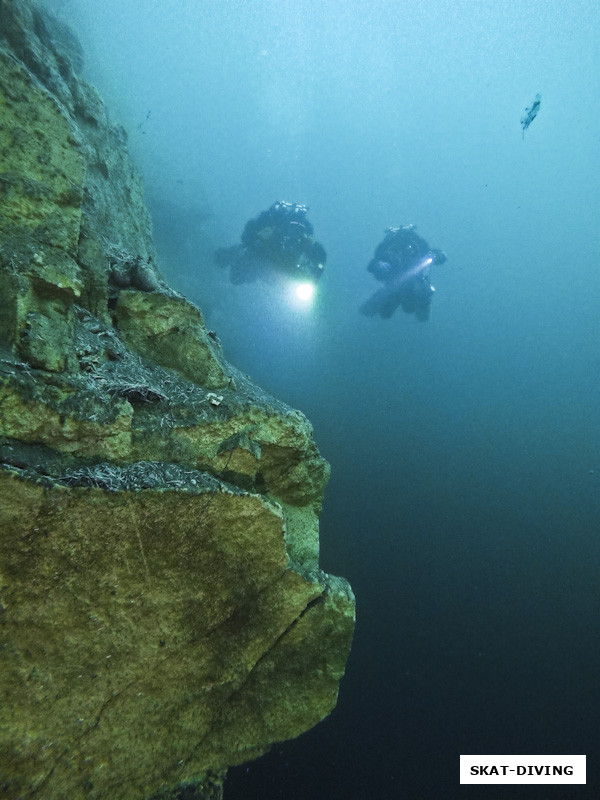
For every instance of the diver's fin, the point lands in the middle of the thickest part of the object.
(384, 302)
(371, 306)
(226, 256)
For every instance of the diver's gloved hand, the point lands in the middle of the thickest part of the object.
(381, 270)
(439, 257)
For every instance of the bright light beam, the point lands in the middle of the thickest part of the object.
(305, 292)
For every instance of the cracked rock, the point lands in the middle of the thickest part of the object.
(162, 611)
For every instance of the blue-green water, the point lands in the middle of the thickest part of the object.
(464, 503)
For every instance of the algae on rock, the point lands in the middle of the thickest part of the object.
(162, 612)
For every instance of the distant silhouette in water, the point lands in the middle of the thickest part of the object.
(531, 113)
(402, 262)
(278, 242)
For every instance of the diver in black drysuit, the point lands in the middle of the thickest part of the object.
(279, 241)
(402, 262)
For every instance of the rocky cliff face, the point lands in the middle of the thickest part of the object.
(162, 613)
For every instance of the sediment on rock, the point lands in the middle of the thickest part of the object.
(158, 511)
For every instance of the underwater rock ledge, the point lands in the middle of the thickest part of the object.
(162, 612)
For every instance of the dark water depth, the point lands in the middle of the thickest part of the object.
(464, 503)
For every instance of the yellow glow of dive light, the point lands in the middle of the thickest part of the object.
(305, 292)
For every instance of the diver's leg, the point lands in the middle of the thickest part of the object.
(371, 306)
(390, 303)
(423, 296)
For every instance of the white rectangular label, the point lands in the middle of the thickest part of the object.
(522, 769)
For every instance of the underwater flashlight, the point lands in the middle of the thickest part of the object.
(305, 291)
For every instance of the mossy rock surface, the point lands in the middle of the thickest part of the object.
(162, 611)
(151, 636)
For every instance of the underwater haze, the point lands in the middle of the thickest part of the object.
(464, 502)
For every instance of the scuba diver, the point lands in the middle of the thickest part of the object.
(279, 241)
(531, 113)
(402, 262)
